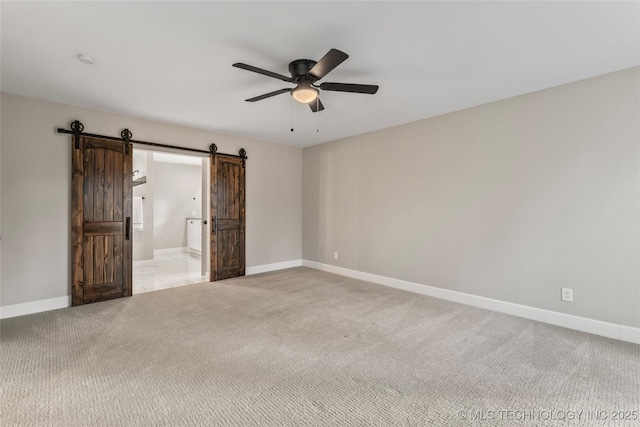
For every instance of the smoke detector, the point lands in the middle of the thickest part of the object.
(86, 59)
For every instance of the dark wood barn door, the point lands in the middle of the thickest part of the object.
(228, 216)
(101, 207)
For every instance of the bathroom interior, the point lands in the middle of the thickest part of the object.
(167, 220)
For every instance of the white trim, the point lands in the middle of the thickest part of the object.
(15, 310)
(65, 302)
(167, 251)
(272, 267)
(144, 263)
(627, 333)
(583, 324)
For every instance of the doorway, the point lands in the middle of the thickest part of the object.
(169, 230)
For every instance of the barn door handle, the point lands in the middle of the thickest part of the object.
(127, 228)
(214, 221)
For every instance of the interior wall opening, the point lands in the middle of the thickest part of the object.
(169, 206)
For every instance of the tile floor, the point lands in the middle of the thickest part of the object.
(166, 271)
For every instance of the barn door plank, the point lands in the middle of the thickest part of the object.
(77, 220)
(88, 184)
(98, 180)
(118, 185)
(109, 170)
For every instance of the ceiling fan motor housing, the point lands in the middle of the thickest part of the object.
(300, 68)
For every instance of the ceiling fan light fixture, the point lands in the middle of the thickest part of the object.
(305, 94)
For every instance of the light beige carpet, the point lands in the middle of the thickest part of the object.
(301, 347)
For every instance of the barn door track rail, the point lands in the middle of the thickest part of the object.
(77, 130)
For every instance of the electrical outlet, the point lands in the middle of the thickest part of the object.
(567, 294)
(335, 255)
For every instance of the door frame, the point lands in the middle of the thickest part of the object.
(204, 207)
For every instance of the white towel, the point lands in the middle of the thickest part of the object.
(137, 214)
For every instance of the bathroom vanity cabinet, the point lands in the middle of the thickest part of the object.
(194, 234)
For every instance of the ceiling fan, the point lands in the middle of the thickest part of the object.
(305, 73)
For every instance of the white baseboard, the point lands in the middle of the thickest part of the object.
(15, 310)
(273, 267)
(166, 251)
(64, 302)
(144, 263)
(583, 324)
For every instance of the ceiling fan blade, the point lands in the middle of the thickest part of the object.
(329, 61)
(268, 95)
(315, 107)
(349, 87)
(263, 72)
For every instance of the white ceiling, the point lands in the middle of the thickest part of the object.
(171, 61)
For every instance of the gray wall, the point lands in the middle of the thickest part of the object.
(511, 200)
(177, 193)
(36, 180)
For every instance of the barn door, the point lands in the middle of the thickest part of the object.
(100, 220)
(227, 215)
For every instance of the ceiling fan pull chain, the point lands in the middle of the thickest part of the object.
(318, 115)
(291, 114)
